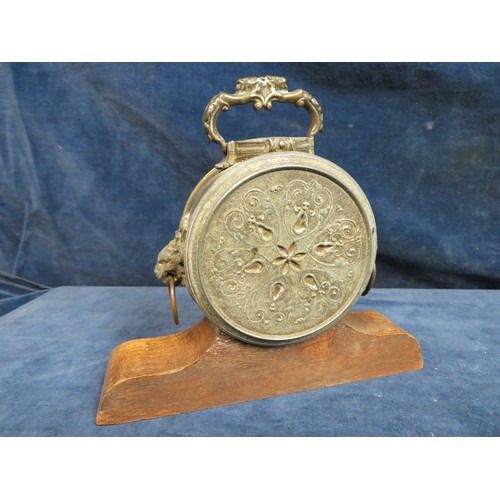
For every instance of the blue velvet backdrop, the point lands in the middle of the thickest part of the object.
(97, 161)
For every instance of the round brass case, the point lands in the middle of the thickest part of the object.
(279, 247)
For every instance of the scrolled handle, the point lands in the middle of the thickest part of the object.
(262, 91)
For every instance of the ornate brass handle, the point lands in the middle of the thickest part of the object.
(262, 91)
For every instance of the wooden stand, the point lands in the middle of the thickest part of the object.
(203, 368)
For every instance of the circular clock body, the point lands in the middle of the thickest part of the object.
(278, 247)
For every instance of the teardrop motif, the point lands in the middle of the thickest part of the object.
(311, 283)
(254, 267)
(264, 232)
(300, 224)
(324, 249)
(277, 291)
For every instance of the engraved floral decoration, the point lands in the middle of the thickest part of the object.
(289, 259)
(307, 204)
(253, 222)
(286, 255)
(257, 224)
(304, 212)
(339, 244)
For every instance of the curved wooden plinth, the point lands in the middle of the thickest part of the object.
(203, 368)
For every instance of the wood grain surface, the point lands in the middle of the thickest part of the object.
(203, 368)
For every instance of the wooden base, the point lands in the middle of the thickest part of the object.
(203, 368)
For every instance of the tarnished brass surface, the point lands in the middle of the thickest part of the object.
(262, 91)
(238, 151)
(173, 299)
(373, 277)
(279, 246)
(171, 259)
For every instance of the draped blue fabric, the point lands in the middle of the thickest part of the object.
(97, 161)
(54, 352)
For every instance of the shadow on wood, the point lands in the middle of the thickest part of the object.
(203, 368)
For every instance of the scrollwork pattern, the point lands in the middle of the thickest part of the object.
(255, 222)
(287, 254)
(307, 204)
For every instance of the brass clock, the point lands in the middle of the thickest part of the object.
(275, 243)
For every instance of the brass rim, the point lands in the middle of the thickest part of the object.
(371, 282)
